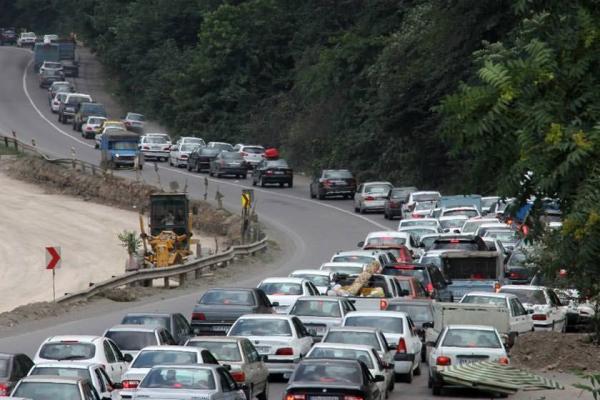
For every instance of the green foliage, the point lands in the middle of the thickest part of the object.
(130, 240)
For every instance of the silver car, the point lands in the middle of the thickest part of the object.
(40, 387)
(371, 196)
(319, 313)
(206, 382)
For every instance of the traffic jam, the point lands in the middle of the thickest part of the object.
(453, 285)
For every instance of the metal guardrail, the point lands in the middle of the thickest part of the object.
(197, 266)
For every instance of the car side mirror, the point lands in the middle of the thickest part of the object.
(264, 358)
(427, 325)
(117, 385)
(128, 358)
(275, 304)
(227, 367)
(391, 347)
(378, 378)
(360, 244)
(529, 311)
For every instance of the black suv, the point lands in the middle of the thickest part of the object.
(430, 277)
(333, 182)
(201, 157)
(85, 110)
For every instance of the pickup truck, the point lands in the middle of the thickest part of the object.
(374, 293)
(219, 308)
(469, 271)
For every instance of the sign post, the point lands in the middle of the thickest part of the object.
(53, 261)
(247, 200)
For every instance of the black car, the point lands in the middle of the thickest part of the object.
(333, 182)
(175, 323)
(459, 242)
(200, 158)
(273, 172)
(395, 200)
(429, 275)
(219, 308)
(228, 163)
(8, 36)
(13, 367)
(333, 379)
(421, 313)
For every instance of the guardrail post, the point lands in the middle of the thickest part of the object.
(167, 283)
(15, 141)
(197, 274)
(6, 141)
(182, 279)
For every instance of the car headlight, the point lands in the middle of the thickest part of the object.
(117, 155)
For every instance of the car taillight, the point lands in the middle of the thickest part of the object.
(4, 389)
(349, 397)
(238, 376)
(414, 215)
(327, 182)
(130, 384)
(503, 360)
(383, 304)
(429, 287)
(184, 156)
(401, 348)
(284, 351)
(198, 316)
(167, 148)
(539, 317)
(244, 154)
(295, 396)
(369, 198)
(269, 172)
(148, 148)
(443, 360)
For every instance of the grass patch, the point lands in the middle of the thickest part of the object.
(7, 150)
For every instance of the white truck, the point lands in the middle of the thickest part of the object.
(377, 289)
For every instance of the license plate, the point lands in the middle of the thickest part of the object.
(279, 172)
(323, 398)
(263, 349)
(155, 147)
(220, 328)
(463, 361)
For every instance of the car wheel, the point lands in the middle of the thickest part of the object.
(265, 393)
(312, 195)
(253, 182)
(362, 210)
(392, 385)
(385, 215)
(291, 184)
(321, 196)
(356, 209)
(418, 369)
(280, 184)
(262, 182)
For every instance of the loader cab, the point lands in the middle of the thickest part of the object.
(169, 212)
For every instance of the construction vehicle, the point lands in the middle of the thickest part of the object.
(170, 223)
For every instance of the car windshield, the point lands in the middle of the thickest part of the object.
(123, 145)
(328, 373)
(77, 99)
(454, 244)
(4, 367)
(148, 320)
(47, 390)
(471, 226)
(223, 351)
(502, 235)
(132, 340)
(418, 273)
(337, 174)
(150, 358)
(281, 288)
(135, 117)
(155, 140)
(377, 189)
(316, 308)
(527, 296)
(452, 223)
(353, 258)
(179, 379)
(188, 147)
(261, 327)
(277, 164)
(194, 140)
(253, 150)
(95, 121)
(221, 146)
(419, 313)
(68, 350)
(398, 194)
(228, 297)
(428, 197)
(471, 338)
(494, 301)
(386, 324)
(385, 241)
(50, 64)
(61, 371)
(466, 212)
(344, 269)
(361, 355)
(317, 280)
(367, 338)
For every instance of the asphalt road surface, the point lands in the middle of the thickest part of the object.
(316, 229)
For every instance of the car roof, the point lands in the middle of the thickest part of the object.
(386, 233)
(286, 279)
(363, 329)
(394, 314)
(230, 288)
(311, 272)
(148, 314)
(189, 366)
(133, 328)
(451, 217)
(53, 379)
(523, 287)
(491, 294)
(328, 360)
(483, 220)
(359, 253)
(334, 345)
(377, 183)
(320, 298)
(426, 192)
(343, 264)
(267, 316)
(217, 338)
(69, 364)
(418, 302)
(73, 338)
(418, 220)
(472, 327)
(189, 349)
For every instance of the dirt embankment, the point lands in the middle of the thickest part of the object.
(115, 191)
(555, 351)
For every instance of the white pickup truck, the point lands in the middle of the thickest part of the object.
(378, 289)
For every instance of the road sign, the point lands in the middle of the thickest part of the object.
(52, 257)
(245, 200)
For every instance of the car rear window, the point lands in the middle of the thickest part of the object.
(467, 213)
(170, 378)
(277, 164)
(377, 189)
(261, 327)
(317, 280)
(425, 197)
(361, 355)
(340, 174)
(231, 156)
(454, 245)
(385, 241)
(386, 324)
(228, 297)
(417, 222)
(4, 367)
(471, 338)
(416, 312)
(150, 358)
(367, 338)
(418, 273)
(495, 301)
(223, 351)
(355, 259)
(316, 308)
(61, 371)
(253, 150)
(155, 140)
(344, 269)
(147, 320)
(68, 351)
(328, 373)
(281, 288)
(527, 296)
(132, 340)
(47, 390)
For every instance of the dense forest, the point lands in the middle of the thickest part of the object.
(484, 96)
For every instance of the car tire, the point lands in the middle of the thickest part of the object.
(321, 196)
(385, 215)
(261, 182)
(417, 371)
(312, 196)
(407, 378)
(265, 393)
(291, 184)
(253, 182)
(281, 184)
(356, 209)
(362, 210)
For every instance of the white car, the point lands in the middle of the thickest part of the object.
(367, 354)
(392, 238)
(548, 314)
(520, 319)
(362, 256)
(191, 140)
(419, 197)
(155, 146)
(51, 38)
(56, 100)
(51, 66)
(472, 224)
(152, 356)
(462, 344)
(91, 127)
(285, 291)
(371, 196)
(350, 268)
(247, 366)
(399, 330)
(483, 228)
(180, 153)
(94, 373)
(320, 278)
(26, 39)
(252, 154)
(469, 212)
(452, 224)
(282, 338)
(362, 335)
(134, 122)
(412, 222)
(84, 349)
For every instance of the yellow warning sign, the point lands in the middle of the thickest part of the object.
(246, 200)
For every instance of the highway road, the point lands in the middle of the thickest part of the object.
(316, 229)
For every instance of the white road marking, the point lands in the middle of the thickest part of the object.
(315, 202)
